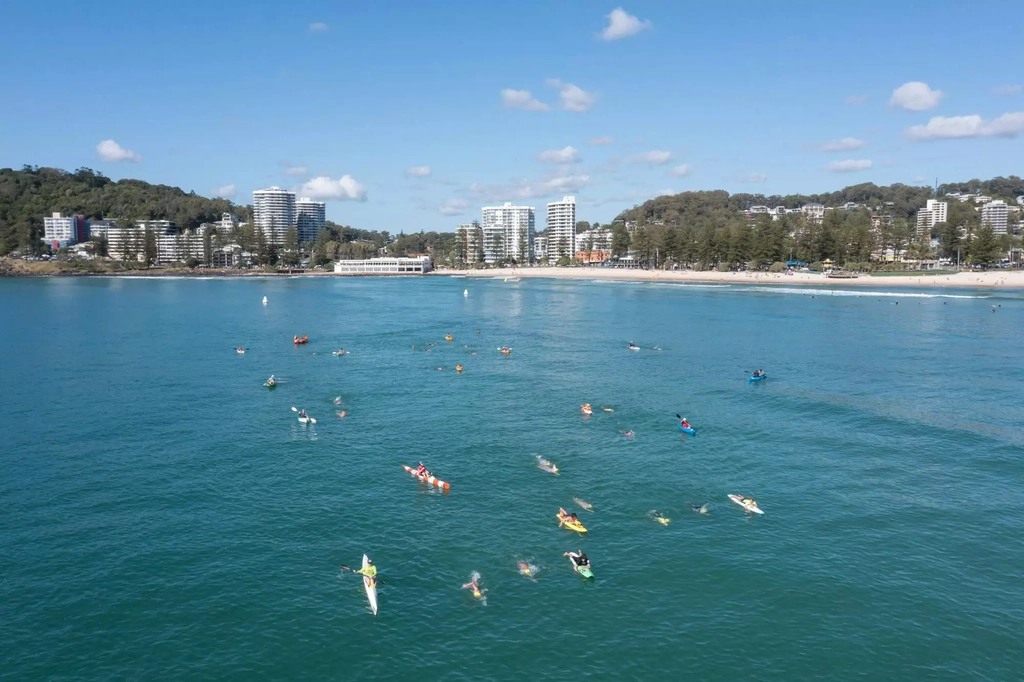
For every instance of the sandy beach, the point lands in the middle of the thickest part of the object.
(995, 279)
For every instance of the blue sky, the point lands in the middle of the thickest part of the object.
(409, 115)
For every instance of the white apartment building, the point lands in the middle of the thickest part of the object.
(470, 237)
(928, 217)
(273, 212)
(598, 239)
(540, 247)
(61, 230)
(813, 213)
(561, 228)
(508, 233)
(995, 214)
(310, 217)
(227, 223)
(1020, 200)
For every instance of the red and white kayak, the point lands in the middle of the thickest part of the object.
(431, 480)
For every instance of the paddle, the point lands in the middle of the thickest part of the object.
(311, 420)
(376, 579)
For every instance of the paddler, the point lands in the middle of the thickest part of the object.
(749, 501)
(579, 558)
(458, 368)
(341, 351)
(370, 571)
(685, 424)
(564, 517)
(421, 470)
(302, 413)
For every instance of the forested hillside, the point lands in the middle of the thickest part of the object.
(29, 194)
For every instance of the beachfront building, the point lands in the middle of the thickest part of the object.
(813, 213)
(60, 231)
(561, 227)
(310, 217)
(508, 233)
(273, 212)
(128, 241)
(599, 238)
(995, 214)
(469, 239)
(419, 265)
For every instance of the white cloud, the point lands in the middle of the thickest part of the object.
(225, 192)
(602, 140)
(856, 99)
(295, 170)
(849, 166)
(317, 27)
(113, 152)
(752, 177)
(552, 186)
(621, 24)
(655, 158)
(680, 171)
(566, 155)
(915, 96)
(1007, 90)
(573, 98)
(417, 172)
(453, 207)
(951, 127)
(344, 188)
(843, 144)
(521, 99)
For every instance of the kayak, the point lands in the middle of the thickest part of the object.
(371, 587)
(582, 570)
(307, 420)
(572, 525)
(431, 480)
(687, 429)
(752, 378)
(634, 347)
(750, 507)
(240, 351)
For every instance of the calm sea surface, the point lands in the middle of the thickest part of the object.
(165, 516)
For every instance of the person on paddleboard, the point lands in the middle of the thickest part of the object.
(579, 558)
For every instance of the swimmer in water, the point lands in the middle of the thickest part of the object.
(474, 585)
(627, 434)
(527, 570)
(699, 508)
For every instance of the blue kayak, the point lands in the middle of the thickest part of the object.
(752, 378)
(690, 431)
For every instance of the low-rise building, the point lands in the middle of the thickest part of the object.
(419, 265)
(813, 212)
(60, 231)
(599, 238)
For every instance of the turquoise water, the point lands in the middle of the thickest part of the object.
(167, 518)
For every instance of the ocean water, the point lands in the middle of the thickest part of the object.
(165, 516)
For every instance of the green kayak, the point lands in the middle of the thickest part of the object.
(582, 570)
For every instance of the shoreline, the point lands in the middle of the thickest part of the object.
(1001, 279)
(986, 280)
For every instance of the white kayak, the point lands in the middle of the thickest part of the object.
(749, 506)
(307, 420)
(371, 587)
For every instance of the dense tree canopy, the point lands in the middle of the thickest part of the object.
(29, 194)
